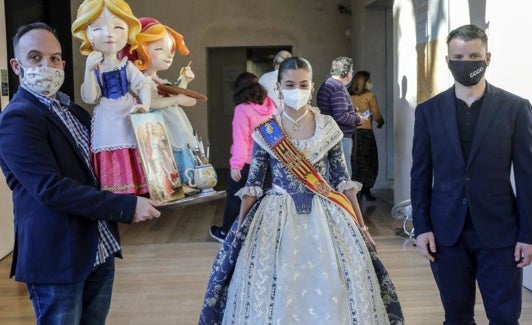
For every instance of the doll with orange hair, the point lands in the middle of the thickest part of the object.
(157, 44)
(105, 27)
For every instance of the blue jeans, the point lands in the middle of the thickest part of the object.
(347, 146)
(86, 302)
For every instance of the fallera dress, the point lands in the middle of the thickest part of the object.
(299, 258)
(114, 151)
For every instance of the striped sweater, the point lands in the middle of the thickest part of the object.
(333, 99)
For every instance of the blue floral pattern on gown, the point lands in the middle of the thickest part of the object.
(297, 257)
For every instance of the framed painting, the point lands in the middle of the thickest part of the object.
(158, 162)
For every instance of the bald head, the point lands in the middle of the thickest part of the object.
(280, 57)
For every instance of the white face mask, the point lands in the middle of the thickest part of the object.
(44, 81)
(295, 98)
(369, 86)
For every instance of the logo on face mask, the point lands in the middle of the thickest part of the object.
(467, 73)
(295, 98)
(477, 71)
(44, 81)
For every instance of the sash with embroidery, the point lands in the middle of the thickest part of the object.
(299, 166)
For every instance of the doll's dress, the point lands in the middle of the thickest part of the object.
(299, 258)
(114, 151)
(178, 125)
(179, 130)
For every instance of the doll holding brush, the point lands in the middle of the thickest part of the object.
(157, 44)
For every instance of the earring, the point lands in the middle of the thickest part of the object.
(280, 96)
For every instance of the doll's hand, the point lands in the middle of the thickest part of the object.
(138, 108)
(184, 100)
(187, 74)
(93, 60)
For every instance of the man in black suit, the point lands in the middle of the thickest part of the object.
(66, 233)
(469, 222)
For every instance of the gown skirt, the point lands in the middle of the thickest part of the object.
(281, 267)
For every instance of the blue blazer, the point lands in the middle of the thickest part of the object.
(444, 186)
(55, 199)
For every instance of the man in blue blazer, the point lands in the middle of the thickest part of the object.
(66, 234)
(468, 221)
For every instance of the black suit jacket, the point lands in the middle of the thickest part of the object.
(55, 198)
(444, 186)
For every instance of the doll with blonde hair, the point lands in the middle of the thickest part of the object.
(104, 28)
(157, 44)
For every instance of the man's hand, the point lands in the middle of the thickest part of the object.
(523, 254)
(145, 209)
(363, 119)
(426, 245)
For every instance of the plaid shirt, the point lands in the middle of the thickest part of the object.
(107, 243)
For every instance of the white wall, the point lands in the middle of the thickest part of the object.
(6, 206)
(405, 95)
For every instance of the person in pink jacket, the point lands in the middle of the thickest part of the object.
(253, 106)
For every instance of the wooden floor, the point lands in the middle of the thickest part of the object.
(167, 263)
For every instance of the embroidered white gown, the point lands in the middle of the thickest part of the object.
(300, 259)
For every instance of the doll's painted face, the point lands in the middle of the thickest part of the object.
(161, 53)
(108, 33)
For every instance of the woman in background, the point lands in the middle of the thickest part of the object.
(365, 160)
(253, 106)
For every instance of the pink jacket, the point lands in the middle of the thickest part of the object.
(246, 118)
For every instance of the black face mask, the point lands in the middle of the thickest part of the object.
(468, 73)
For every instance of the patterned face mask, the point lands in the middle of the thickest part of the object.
(45, 81)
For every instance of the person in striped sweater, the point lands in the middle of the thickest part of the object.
(333, 99)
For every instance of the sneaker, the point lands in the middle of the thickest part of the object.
(217, 233)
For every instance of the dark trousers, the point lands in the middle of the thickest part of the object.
(364, 158)
(232, 205)
(499, 280)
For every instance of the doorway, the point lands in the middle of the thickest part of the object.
(224, 64)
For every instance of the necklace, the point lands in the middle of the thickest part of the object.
(295, 123)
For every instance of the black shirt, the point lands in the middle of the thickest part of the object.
(466, 120)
